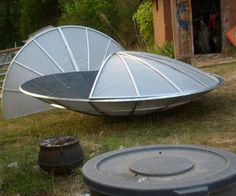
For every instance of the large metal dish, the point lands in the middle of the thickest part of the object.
(127, 83)
(57, 50)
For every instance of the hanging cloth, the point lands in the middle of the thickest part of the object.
(212, 22)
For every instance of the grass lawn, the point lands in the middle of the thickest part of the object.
(210, 121)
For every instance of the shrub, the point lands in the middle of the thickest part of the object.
(144, 18)
(113, 17)
(166, 50)
(85, 13)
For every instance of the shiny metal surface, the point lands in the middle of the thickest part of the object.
(58, 50)
(128, 83)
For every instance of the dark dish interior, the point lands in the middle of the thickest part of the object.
(62, 85)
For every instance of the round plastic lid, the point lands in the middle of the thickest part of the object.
(161, 170)
(161, 166)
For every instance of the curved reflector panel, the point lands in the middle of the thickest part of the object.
(58, 50)
(141, 75)
(127, 83)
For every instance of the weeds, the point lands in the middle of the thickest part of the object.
(210, 121)
(166, 50)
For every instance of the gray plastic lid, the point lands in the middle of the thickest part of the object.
(161, 170)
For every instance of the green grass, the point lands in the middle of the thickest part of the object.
(210, 121)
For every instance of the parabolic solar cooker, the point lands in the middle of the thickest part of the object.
(84, 70)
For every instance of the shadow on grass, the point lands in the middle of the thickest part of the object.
(197, 110)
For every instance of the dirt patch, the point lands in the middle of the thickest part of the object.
(211, 59)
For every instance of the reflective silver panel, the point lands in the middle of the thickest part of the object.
(151, 76)
(127, 83)
(58, 50)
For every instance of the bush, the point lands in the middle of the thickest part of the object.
(85, 13)
(113, 17)
(36, 14)
(144, 18)
(166, 50)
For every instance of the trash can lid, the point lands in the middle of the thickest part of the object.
(161, 170)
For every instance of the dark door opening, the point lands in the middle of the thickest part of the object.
(206, 17)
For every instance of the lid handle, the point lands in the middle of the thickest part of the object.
(198, 191)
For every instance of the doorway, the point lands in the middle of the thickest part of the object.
(207, 31)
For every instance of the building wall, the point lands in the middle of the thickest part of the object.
(168, 21)
(228, 17)
(163, 27)
(182, 29)
(159, 23)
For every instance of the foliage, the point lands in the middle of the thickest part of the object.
(122, 17)
(104, 15)
(166, 49)
(9, 23)
(84, 12)
(36, 14)
(144, 18)
(19, 18)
